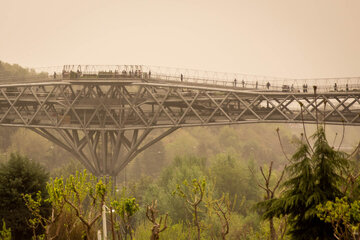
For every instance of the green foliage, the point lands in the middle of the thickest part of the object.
(232, 176)
(85, 195)
(20, 176)
(220, 173)
(178, 231)
(5, 233)
(314, 178)
(124, 207)
(16, 73)
(246, 227)
(193, 194)
(343, 216)
(34, 205)
(183, 168)
(222, 208)
(56, 201)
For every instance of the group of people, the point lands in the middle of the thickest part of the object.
(292, 89)
(336, 87)
(103, 74)
(305, 88)
(243, 84)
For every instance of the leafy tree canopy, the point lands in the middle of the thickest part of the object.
(19, 176)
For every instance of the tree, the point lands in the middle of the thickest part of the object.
(183, 168)
(152, 214)
(343, 216)
(20, 176)
(314, 178)
(223, 208)
(86, 195)
(5, 233)
(57, 203)
(230, 175)
(125, 208)
(270, 193)
(193, 194)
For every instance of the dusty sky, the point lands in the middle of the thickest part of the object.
(286, 38)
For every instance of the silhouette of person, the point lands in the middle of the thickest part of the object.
(335, 87)
(347, 87)
(235, 82)
(243, 83)
(181, 77)
(268, 85)
(256, 85)
(149, 73)
(54, 75)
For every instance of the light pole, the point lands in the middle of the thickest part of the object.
(104, 221)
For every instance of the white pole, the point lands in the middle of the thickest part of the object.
(104, 221)
(99, 235)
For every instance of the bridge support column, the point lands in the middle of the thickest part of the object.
(103, 152)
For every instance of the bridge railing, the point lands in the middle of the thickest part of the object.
(268, 84)
(223, 79)
(254, 82)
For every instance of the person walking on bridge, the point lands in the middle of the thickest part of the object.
(305, 88)
(268, 85)
(235, 82)
(181, 77)
(243, 83)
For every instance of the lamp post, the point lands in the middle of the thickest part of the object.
(104, 221)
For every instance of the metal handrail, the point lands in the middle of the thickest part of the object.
(224, 79)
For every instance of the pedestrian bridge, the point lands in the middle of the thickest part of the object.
(104, 115)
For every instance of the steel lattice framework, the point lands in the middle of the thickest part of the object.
(105, 123)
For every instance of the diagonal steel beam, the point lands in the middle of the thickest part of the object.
(276, 108)
(190, 107)
(12, 105)
(218, 107)
(247, 107)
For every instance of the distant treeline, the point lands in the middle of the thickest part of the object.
(16, 73)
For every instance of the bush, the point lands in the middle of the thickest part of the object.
(20, 176)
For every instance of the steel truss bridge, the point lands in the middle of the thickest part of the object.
(106, 118)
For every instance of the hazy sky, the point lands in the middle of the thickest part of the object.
(286, 38)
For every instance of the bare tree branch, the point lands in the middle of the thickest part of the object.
(281, 145)
(304, 129)
(342, 138)
(336, 134)
(355, 150)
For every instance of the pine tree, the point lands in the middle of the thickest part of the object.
(314, 177)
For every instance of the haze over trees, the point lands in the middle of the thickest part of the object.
(198, 183)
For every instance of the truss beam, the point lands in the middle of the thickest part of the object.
(107, 124)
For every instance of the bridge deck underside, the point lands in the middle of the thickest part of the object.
(105, 124)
